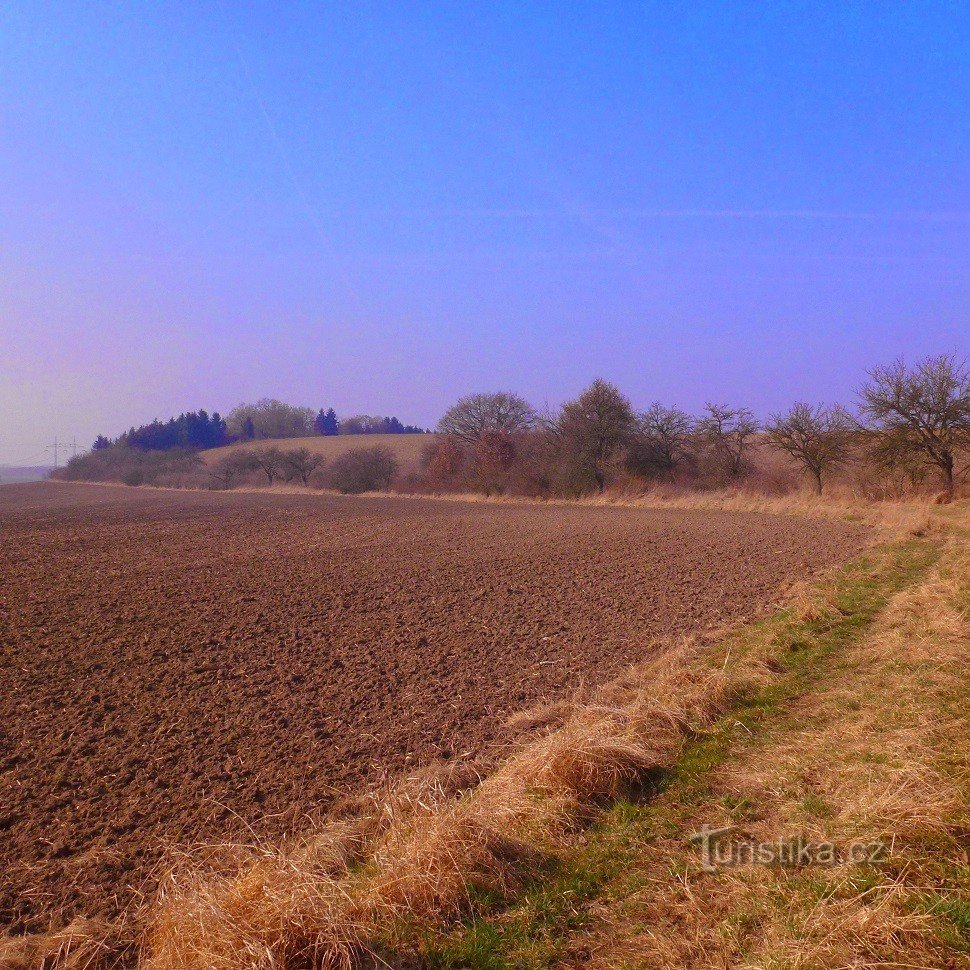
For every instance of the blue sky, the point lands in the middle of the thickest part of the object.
(380, 207)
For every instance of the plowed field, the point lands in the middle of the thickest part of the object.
(179, 666)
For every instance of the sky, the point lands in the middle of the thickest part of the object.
(382, 206)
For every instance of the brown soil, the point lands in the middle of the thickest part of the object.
(178, 667)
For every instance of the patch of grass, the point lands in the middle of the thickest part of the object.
(953, 911)
(539, 929)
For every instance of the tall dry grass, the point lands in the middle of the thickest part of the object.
(891, 518)
(877, 752)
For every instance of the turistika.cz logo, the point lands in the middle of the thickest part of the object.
(718, 849)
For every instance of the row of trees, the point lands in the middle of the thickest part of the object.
(910, 424)
(373, 424)
(195, 430)
(912, 419)
(271, 418)
(267, 418)
(357, 470)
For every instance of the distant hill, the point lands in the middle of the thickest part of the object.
(407, 448)
(12, 474)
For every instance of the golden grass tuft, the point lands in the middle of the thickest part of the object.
(281, 910)
(81, 945)
(430, 869)
(810, 604)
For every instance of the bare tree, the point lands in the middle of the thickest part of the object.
(270, 461)
(479, 414)
(301, 463)
(728, 433)
(920, 415)
(818, 438)
(594, 429)
(664, 437)
(225, 471)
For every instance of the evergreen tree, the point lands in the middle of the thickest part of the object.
(326, 423)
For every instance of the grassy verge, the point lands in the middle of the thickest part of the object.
(859, 737)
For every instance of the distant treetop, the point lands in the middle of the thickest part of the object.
(372, 424)
(326, 423)
(269, 418)
(195, 430)
(480, 414)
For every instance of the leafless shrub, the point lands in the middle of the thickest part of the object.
(270, 461)
(495, 455)
(133, 466)
(300, 463)
(363, 470)
(443, 464)
(224, 473)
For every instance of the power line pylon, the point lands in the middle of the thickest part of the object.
(54, 447)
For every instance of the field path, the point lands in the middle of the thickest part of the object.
(178, 666)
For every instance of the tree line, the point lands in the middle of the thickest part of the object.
(910, 421)
(356, 470)
(909, 429)
(195, 430)
(266, 418)
(271, 418)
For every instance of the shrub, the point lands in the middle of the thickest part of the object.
(225, 472)
(443, 464)
(119, 463)
(270, 461)
(363, 470)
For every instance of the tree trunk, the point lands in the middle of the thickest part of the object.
(948, 480)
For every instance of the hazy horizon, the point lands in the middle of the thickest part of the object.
(383, 207)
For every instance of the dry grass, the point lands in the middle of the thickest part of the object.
(407, 448)
(891, 519)
(430, 851)
(879, 753)
(82, 945)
